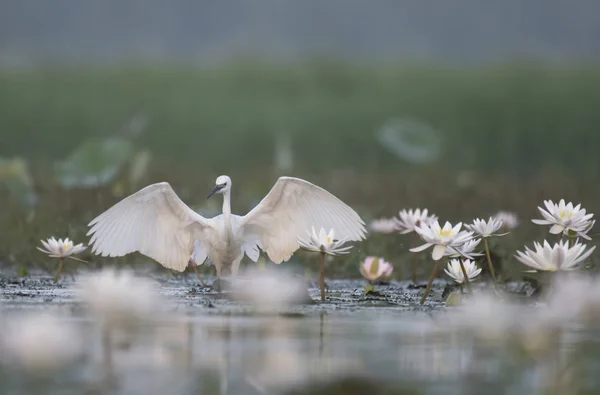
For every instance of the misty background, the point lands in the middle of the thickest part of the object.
(210, 30)
(465, 107)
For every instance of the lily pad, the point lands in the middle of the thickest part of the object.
(15, 176)
(139, 167)
(410, 140)
(454, 299)
(95, 163)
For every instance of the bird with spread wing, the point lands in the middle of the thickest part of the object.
(155, 222)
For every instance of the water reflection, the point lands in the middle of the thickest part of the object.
(231, 354)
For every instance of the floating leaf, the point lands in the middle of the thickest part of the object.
(15, 176)
(410, 140)
(94, 163)
(139, 167)
(453, 299)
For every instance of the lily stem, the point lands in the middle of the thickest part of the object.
(60, 266)
(464, 272)
(414, 268)
(322, 277)
(489, 259)
(431, 277)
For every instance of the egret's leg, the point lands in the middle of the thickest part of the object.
(235, 266)
(195, 267)
(218, 280)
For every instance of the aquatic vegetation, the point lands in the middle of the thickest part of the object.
(509, 220)
(455, 271)
(94, 163)
(560, 256)
(325, 244)
(409, 220)
(486, 230)
(466, 249)
(374, 268)
(62, 249)
(439, 238)
(16, 177)
(566, 218)
(383, 225)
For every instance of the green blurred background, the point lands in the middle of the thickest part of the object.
(417, 112)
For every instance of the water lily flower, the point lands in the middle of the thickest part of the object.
(580, 233)
(486, 229)
(554, 258)
(62, 249)
(383, 225)
(324, 242)
(441, 238)
(409, 219)
(509, 220)
(454, 270)
(463, 250)
(374, 268)
(565, 218)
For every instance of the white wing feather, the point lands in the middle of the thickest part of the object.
(153, 221)
(291, 208)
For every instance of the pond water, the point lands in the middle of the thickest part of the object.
(351, 344)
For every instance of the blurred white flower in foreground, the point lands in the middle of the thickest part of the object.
(454, 270)
(486, 229)
(554, 258)
(383, 225)
(270, 289)
(574, 297)
(509, 220)
(462, 250)
(118, 298)
(440, 238)
(61, 248)
(565, 218)
(374, 268)
(408, 220)
(42, 344)
(324, 242)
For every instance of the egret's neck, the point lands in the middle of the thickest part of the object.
(227, 213)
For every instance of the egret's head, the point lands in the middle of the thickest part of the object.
(222, 185)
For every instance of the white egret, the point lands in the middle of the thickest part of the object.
(155, 222)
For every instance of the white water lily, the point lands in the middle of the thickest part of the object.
(565, 218)
(118, 299)
(383, 225)
(441, 238)
(554, 258)
(463, 250)
(61, 248)
(408, 220)
(509, 220)
(375, 268)
(486, 229)
(454, 270)
(324, 242)
(580, 233)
